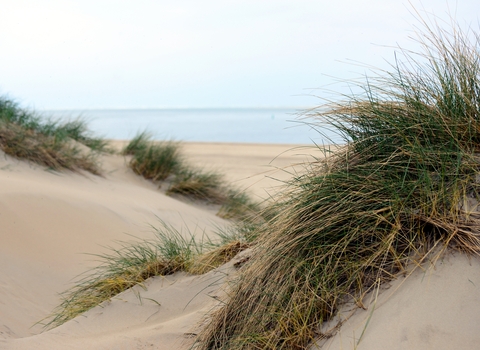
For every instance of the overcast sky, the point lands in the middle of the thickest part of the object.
(197, 53)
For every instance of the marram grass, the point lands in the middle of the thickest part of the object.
(123, 268)
(393, 197)
(198, 184)
(154, 161)
(25, 135)
(163, 160)
(139, 143)
(134, 262)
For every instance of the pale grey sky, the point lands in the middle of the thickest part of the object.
(191, 53)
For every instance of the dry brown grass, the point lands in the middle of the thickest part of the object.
(217, 257)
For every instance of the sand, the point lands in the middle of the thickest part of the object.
(436, 307)
(52, 222)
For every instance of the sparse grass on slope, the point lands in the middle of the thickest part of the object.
(158, 161)
(395, 196)
(211, 187)
(199, 184)
(138, 144)
(240, 206)
(77, 130)
(232, 241)
(131, 264)
(25, 135)
(124, 268)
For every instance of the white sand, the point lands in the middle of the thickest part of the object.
(434, 308)
(49, 220)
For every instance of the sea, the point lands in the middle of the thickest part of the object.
(237, 125)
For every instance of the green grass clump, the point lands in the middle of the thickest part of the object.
(395, 196)
(138, 144)
(47, 151)
(156, 161)
(217, 257)
(25, 135)
(211, 187)
(231, 241)
(199, 184)
(77, 130)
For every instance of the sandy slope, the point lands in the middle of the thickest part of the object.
(436, 307)
(259, 168)
(48, 220)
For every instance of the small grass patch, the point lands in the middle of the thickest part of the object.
(217, 257)
(232, 240)
(156, 161)
(78, 130)
(125, 267)
(160, 160)
(198, 184)
(133, 263)
(211, 187)
(25, 135)
(239, 205)
(138, 144)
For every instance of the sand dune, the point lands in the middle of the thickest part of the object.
(50, 220)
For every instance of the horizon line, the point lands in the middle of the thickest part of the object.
(174, 108)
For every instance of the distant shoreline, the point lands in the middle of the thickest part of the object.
(256, 125)
(178, 108)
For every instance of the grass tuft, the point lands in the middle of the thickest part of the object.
(393, 197)
(133, 263)
(78, 130)
(125, 267)
(155, 161)
(198, 184)
(217, 257)
(231, 241)
(138, 144)
(25, 135)
(239, 205)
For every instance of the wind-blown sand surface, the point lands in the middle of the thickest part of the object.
(436, 307)
(49, 221)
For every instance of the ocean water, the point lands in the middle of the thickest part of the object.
(253, 125)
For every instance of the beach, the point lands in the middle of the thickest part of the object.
(208, 176)
(54, 223)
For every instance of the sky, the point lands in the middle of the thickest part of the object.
(87, 54)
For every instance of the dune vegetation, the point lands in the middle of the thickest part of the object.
(134, 262)
(171, 251)
(402, 191)
(26, 135)
(162, 160)
(69, 145)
